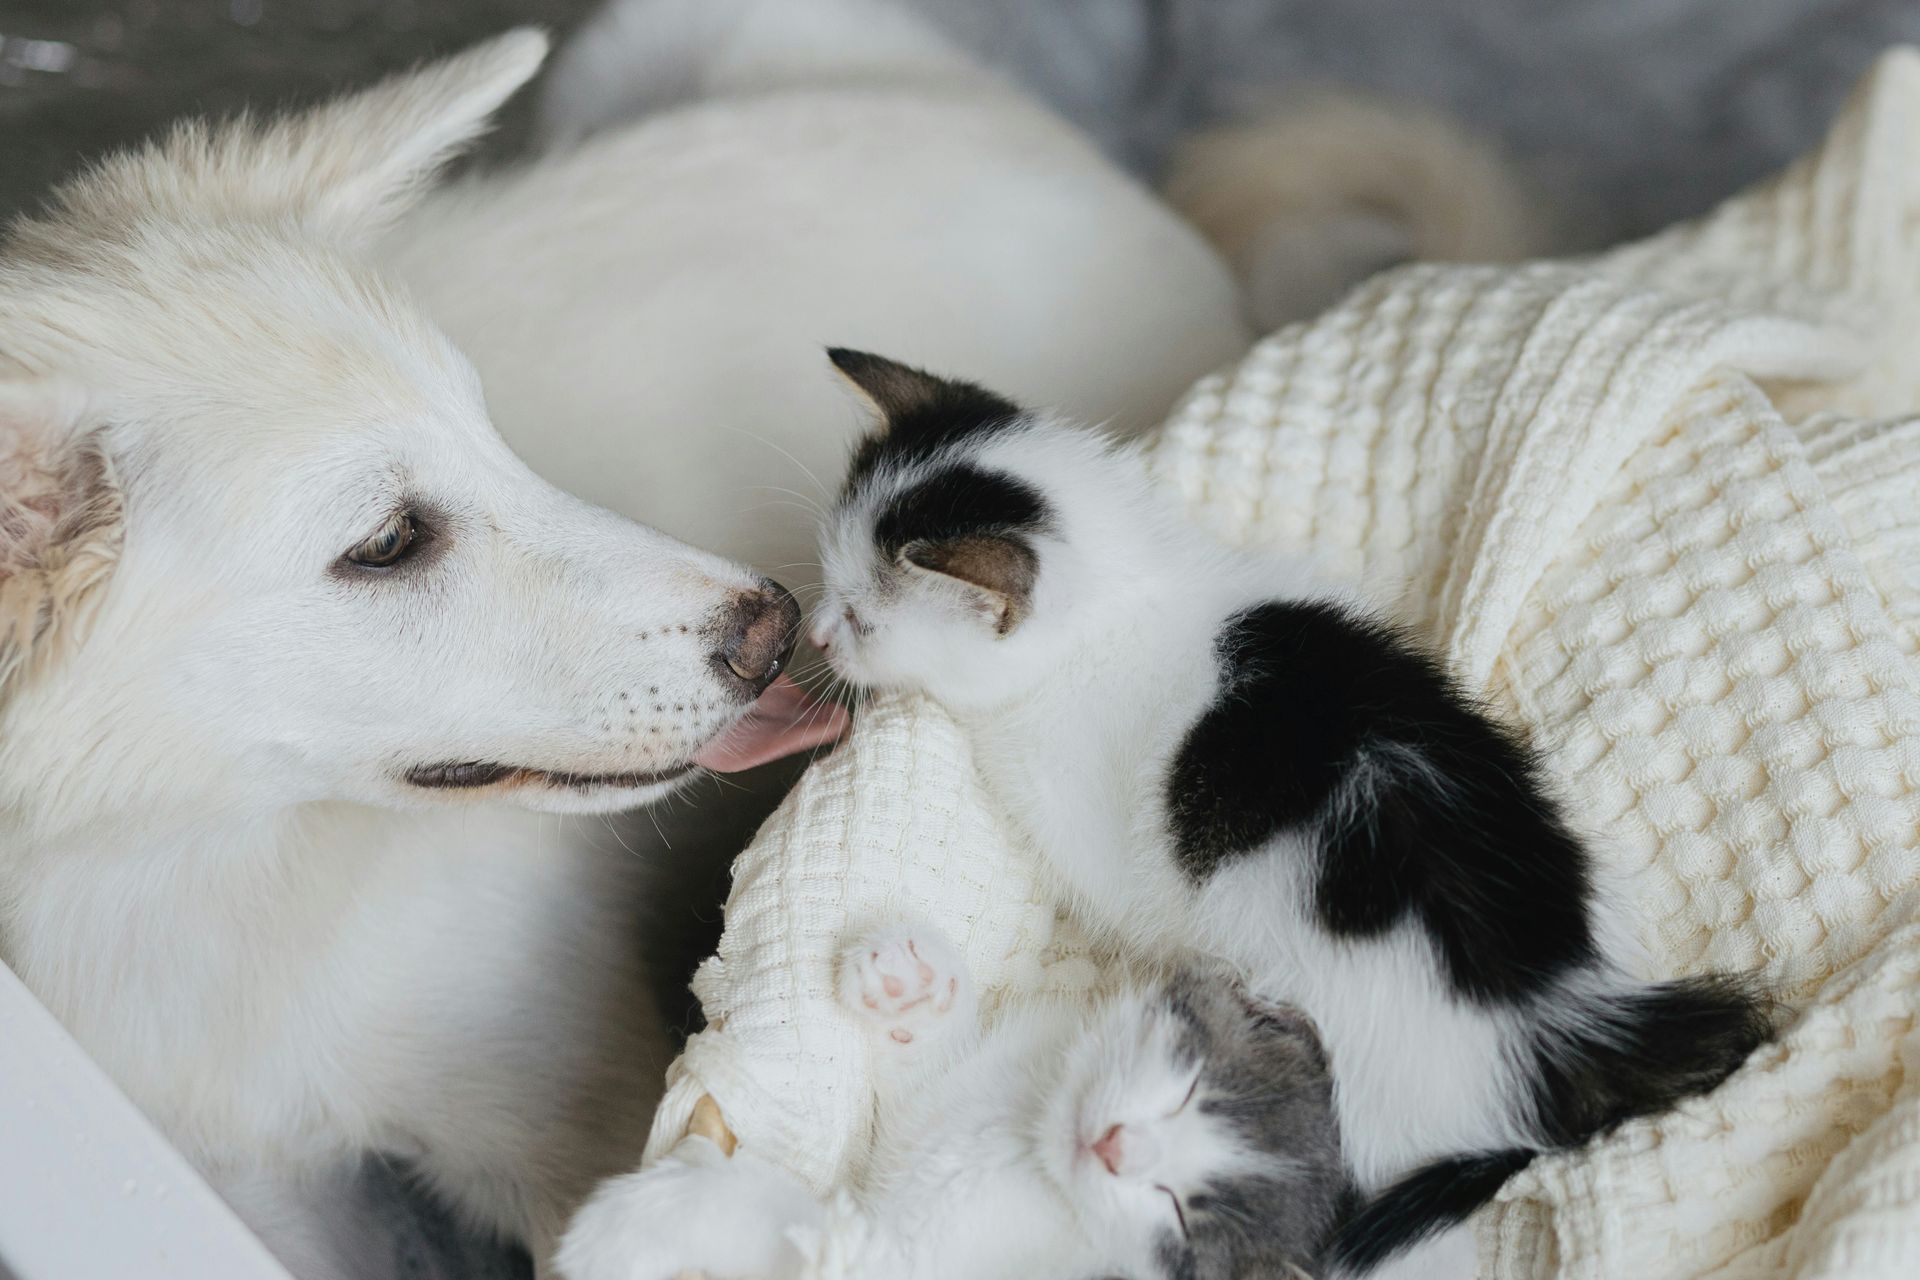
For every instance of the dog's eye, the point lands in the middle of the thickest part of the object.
(389, 546)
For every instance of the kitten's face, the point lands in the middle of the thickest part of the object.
(944, 615)
(1193, 1130)
(947, 568)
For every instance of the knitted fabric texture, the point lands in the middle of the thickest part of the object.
(1659, 507)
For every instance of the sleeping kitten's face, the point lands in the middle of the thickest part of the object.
(947, 569)
(1193, 1130)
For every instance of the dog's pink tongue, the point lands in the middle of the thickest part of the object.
(785, 719)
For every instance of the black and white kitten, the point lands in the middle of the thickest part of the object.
(1171, 1131)
(1215, 753)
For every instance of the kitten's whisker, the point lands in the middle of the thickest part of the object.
(775, 502)
(812, 503)
(805, 470)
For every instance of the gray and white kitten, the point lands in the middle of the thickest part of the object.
(1171, 1131)
(1215, 753)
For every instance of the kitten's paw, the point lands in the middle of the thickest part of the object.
(697, 1212)
(909, 983)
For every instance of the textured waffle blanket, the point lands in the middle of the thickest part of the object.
(1657, 505)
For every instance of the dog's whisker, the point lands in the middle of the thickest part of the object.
(613, 827)
(651, 817)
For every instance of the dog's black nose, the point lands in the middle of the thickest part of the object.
(760, 636)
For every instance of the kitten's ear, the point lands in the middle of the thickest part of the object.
(1286, 1018)
(60, 525)
(910, 400)
(1001, 570)
(894, 390)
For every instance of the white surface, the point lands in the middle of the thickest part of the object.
(89, 1190)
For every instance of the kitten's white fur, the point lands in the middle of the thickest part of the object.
(1075, 716)
(983, 1164)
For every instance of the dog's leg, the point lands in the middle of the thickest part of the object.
(313, 1221)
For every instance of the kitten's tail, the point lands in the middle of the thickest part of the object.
(1321, 192)
(1640, 1051)
(1422, 1204)
(1617, 1056)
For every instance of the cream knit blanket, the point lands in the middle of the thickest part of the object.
(1653, 505)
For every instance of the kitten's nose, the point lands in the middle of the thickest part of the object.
(820, 634)
(759, 637)
(1112, 1148)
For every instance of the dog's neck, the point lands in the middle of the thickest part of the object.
(270, 886)
(51, 817)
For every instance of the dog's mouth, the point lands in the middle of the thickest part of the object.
(783, 721)
(469, 775)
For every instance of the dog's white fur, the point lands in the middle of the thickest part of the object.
(211, 867)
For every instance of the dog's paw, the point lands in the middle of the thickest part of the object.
(910, 984)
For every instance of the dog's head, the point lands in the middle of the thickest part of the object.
(259, 540)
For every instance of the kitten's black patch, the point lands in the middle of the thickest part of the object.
(1640, 1052)
(1339, 728)
(959, 500)
(922, 412)
(1422, 1204)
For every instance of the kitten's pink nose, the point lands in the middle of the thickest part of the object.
(1112, 1149)
(820, 632)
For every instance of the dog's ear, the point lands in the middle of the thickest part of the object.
(343, 170)
(61, 520)
(358, 162)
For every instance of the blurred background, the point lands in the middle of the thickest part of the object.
(1628, 113)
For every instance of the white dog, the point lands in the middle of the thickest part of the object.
(295, 655)
(277, 608)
